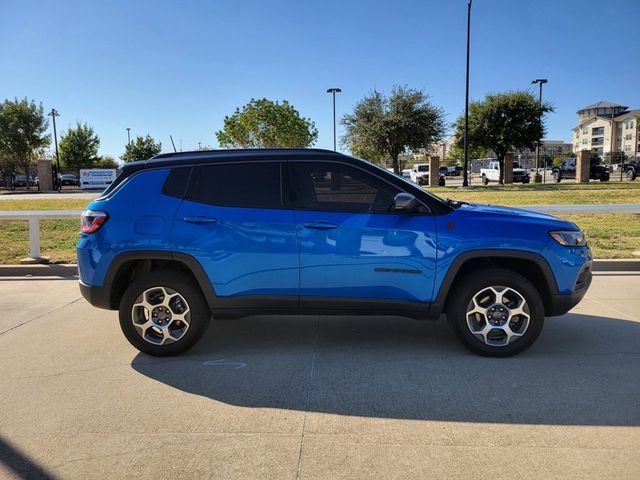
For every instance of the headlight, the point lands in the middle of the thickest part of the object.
(569, 238)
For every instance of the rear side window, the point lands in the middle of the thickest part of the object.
(176, 183)
(246, 185)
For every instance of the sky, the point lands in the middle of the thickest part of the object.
(177, 68)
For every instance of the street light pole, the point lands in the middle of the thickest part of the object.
(465, 181)
(53, 114)
(333, 91)
(128, 136)
(539, 81)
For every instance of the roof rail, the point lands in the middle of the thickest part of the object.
(209, 153)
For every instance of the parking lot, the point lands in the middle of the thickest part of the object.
(347, 397)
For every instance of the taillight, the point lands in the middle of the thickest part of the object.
(92, 220)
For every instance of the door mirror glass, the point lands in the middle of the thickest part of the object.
(405, 202)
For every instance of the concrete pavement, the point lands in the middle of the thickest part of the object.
(316, 398)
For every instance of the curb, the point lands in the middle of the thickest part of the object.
(52, 270)
(71, 270)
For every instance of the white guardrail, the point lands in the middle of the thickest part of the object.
(34, 218)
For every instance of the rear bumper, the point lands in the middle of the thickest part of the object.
(97, 296)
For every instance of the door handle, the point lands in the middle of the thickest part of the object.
(320, 225)
(199, 220)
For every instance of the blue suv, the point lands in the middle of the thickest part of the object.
(182, 237)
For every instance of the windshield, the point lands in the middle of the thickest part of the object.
(423, 168)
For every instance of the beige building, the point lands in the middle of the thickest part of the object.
(605, 127)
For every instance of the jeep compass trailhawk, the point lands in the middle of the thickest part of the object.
(182, 237)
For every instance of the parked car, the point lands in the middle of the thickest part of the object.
(632, 169)
(190, 235)
(69, 179)
(567, 170)
(492, 174)
(20, 181)
(406, 174)
(420, 174)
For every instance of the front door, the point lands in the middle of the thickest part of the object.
(353, 246)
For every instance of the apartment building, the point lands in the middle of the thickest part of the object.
(606, 127)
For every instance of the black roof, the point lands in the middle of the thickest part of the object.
(206, 156)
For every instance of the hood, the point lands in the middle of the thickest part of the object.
(517, 214)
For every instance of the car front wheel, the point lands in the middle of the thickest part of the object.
(496, 312)
(163, 313)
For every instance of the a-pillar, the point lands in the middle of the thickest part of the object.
(434, 171)
(45, 176)
(583, 166)
(508, 169)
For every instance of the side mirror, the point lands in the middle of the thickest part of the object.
(405, 202)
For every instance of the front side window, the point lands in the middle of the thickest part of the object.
(341, 188)
(245, 185)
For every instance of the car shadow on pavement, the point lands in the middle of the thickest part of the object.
(583, 370)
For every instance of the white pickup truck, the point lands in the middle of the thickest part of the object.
(492, 174)
(420, 174)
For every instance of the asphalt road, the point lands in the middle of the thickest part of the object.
(316, 398)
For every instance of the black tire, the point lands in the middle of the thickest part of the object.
(180, 283)
(604, 177)
(557, 177)
(474, 282)
(485, 180)
(441, 182)
(631, 174)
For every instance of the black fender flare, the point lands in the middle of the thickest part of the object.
(450, 277)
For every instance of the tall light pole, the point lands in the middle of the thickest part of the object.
(53, 114)
(465, 181)
(536, 178)
(128, 136)
(333, 91)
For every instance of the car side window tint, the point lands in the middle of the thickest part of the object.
(341, 188)
(176, 183)
(246, 185)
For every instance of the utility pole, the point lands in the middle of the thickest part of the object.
(539, 81)
(465, 181)
(333, 91)
(128, 136)
(53, 114)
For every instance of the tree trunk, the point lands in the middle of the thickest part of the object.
(396, 164)
(501, 163)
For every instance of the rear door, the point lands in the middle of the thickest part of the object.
(352, 245)
(236, 223)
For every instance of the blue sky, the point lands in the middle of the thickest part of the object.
(179, 67)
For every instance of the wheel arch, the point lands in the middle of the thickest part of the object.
(531, 265)
(128, 266)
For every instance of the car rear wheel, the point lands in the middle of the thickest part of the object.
(163, 313)
(556, 177)
(631, 174)
(485, 180)
(496, 312)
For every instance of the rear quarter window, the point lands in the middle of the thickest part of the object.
(244, 185)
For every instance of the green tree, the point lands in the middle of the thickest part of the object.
(106, 161)
(267, 124)
(78, 148)
(22, 134)
(388, 126)
(504, 122)
(141, 149)
(455, 155)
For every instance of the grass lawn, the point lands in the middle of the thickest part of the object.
(595, 193)
(611, 235)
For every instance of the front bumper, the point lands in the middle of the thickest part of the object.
(561, 304)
